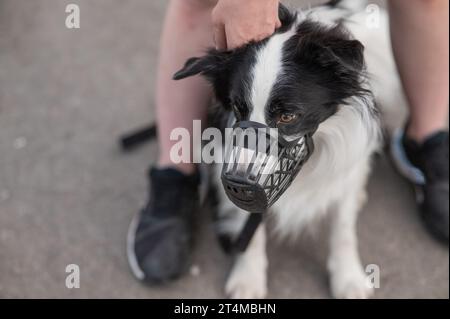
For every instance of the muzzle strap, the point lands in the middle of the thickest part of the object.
(246, 235)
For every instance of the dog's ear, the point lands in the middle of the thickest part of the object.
(350, 53)
(215, 67)
(330, 47)
(334, 59)
(210, 65)
(192, 67)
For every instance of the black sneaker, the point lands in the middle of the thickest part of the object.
(427, 166)
(159, 241)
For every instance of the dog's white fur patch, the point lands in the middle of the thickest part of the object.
(265, 72)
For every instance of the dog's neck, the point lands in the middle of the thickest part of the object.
(344, 139)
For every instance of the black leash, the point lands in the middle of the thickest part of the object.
(246, 235)
(134, 139)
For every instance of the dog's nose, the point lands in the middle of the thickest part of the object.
(249, 197)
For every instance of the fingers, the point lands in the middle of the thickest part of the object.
(252, 22)
(220, 37)
(278, 24)
(234, 38)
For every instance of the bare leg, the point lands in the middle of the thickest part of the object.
(187, 33)
(419, 30)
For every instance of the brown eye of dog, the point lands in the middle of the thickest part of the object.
(287, 118)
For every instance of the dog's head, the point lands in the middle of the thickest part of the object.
(294, 80)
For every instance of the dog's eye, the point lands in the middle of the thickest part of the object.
(287, 118)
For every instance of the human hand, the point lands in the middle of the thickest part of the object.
(238, 22)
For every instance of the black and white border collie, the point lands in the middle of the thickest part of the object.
(310, 75)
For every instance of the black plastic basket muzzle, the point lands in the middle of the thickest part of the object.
(259, 165)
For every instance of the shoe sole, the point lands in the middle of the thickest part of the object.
(131, 234)
(131, 256)
(404, 166)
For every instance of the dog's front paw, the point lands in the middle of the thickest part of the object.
(246, 281)
(350, 284)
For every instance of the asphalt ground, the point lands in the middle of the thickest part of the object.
(67, 194)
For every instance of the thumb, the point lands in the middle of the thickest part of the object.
(278, 24)
(220, 38)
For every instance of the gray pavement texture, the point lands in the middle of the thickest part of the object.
(67, 194)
